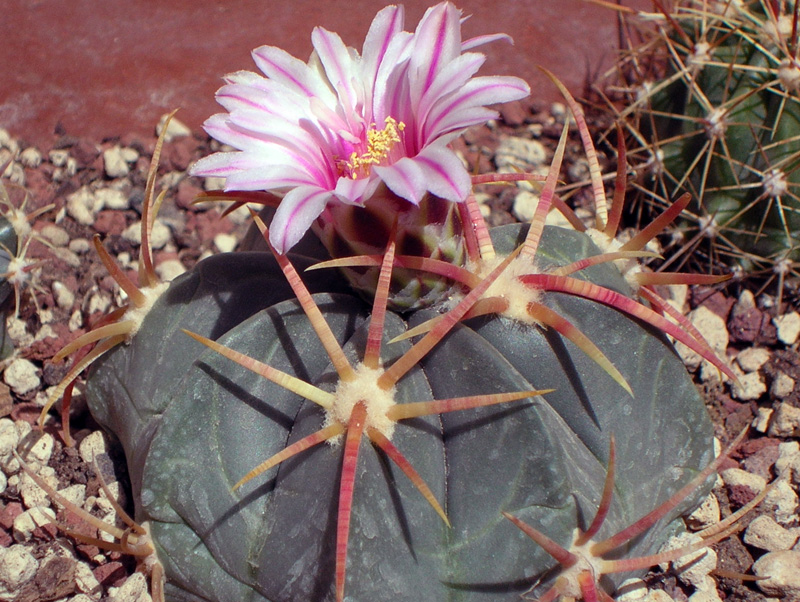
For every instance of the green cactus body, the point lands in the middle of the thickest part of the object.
(725, 128)
(192, 423)
(8, 248)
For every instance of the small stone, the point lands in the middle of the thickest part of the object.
(788, 326)
(706, 592)
(631, 590)
(712, 327)
(79, 246)
(525, 204)
(170, 269)
(82, 205)
(94, 449)
(30, 520)
(175, 129)
(56, 235)
(788, 462)
(761, 421)
(58, 157)
(749, 387)
(64, 297)
(17, 566)
(66, 256)
(112, 198)
(15, 173)
(30, 157)
(736, 477)
(785, 421)
(707, 514)
(74, 493)
(41, 450)
(226, 243)
(214, 183)
(764, 533)
(519, 153)
(34, 496)
(693, 568)
(131, 155)
(752, 358)
(160, 235)
(87, 583)
(782, 572)
(22, 376)
(782, 386)
(114, 162)
(9, 438)
(133, 590)
(783, 500)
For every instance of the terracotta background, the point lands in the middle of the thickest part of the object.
(99, 68)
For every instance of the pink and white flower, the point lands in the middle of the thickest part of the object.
(335, 129)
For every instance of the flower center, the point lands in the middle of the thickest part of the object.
(379, 144)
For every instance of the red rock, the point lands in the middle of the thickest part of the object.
(207, 225)
(5, 539)
(108, 222)
(182, 152)
(9, 513)
(188, 191)
(85, 153)
(109, 574)
(514, 113)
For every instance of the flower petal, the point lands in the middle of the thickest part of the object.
(294, 216)
(405, 178)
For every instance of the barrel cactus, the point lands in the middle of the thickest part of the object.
(289, 440)
(714, 103)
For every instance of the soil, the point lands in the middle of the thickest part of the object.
(45, 313)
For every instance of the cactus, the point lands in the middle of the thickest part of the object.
(267, 418)
(713, 103)
(195, 427)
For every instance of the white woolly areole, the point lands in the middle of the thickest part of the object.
(19, 221)
(138, 314)
(364, 387)
(16, 273)
(509, 287)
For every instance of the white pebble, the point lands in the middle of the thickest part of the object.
(28, 521)
(65, 298)
(713, 329)
(788, 463)
(87, 583)
(159, 236)
(42, 450)
(783, 500)
(30, 157)
(215, 183)
(782, 386)
(170, 269)
(525, 204)
(59, 156)
(175, 129)
(707, 514)
(788, 327)
(32, 495)
(114, 163)
(519, 153)
(226, 243)
(79, 246)
(764, 533)
(82, 205)
(733, 477)
(9, 437)
(785, 421)
(112, 198)
(749, 387)
(752, 358)
(22, 376)
(782, 572)
(17, 567)
(693, 568)
(133, 590)
(56, 235)
(761, 421)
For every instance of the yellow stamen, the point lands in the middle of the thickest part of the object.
(379, 145)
